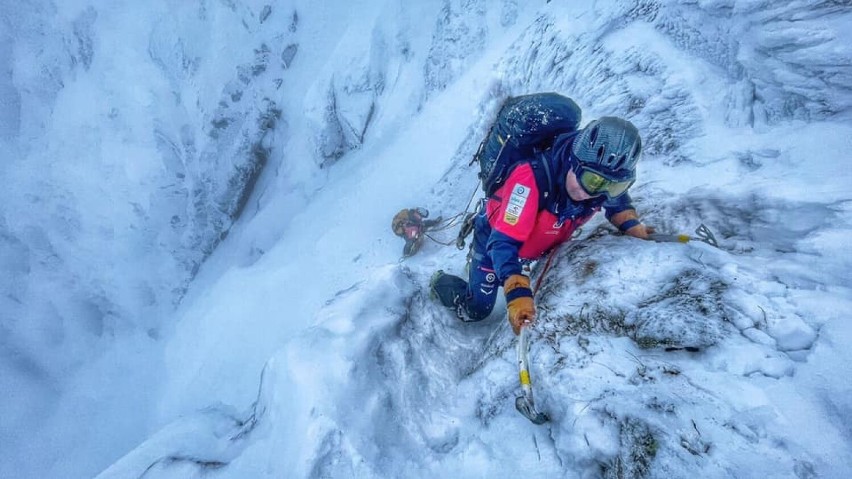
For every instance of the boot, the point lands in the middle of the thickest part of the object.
(450, 291)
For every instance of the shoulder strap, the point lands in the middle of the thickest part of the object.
(543, 179)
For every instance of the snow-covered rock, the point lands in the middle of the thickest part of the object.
(196, 213)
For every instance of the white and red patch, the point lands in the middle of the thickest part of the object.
(515, 206)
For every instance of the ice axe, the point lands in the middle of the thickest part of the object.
(524, 403)
(702, 233)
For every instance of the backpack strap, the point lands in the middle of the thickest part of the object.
(543, 179)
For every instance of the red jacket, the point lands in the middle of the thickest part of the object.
(514, 211)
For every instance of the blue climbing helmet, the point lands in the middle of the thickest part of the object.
(604, 156)
(611, 144)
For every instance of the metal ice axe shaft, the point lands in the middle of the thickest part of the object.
(524, 403)
(702, 233)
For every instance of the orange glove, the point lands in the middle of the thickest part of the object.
(627, 222)
(641, 231)
(519, 301)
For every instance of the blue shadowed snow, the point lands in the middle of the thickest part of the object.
(200, 280)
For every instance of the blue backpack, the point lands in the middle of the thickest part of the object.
(525, 126)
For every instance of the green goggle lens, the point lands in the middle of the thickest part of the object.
(595, 183)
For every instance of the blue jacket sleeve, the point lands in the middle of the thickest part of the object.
(503, 251)
(618, 204)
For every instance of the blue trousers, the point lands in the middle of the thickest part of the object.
(482, 282)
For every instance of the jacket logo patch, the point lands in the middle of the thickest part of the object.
(515, 207)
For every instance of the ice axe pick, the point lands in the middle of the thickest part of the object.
(702, 233)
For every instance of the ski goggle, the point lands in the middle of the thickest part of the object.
(595, 183)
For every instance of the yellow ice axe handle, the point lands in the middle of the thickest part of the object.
(664, 238)
(702, 233)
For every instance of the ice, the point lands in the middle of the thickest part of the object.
(199, 278)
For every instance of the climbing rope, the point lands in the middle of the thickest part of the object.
(452, 221)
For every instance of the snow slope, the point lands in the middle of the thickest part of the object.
(304, 346)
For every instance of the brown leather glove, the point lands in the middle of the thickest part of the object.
(628, 222)
(519, 301)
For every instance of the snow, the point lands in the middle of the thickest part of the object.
(199, 278)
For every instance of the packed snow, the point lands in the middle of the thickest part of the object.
(200, 279)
